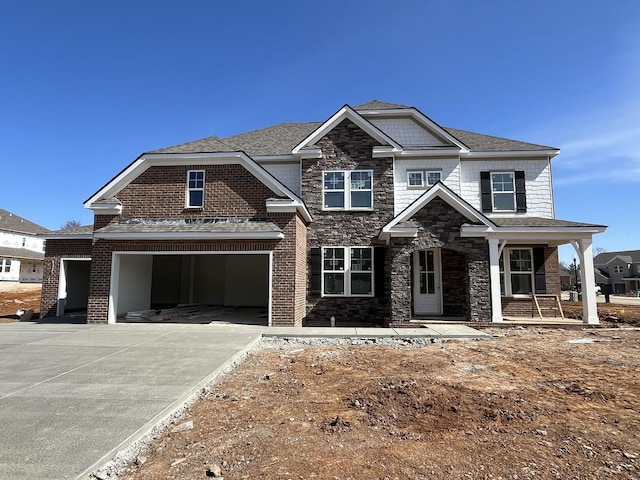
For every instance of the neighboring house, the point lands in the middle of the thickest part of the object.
(21, 250)
(621, 270)
(376, 215)
(566, 279)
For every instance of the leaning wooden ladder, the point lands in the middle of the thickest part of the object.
(557, 307)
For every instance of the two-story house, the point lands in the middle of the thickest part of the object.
(620, 270)
(376, 215)
(21, 250)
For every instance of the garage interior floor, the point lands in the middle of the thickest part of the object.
(199, 314)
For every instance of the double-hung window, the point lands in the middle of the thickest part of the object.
(347, 190)
(347, 271)
(516, 275)
(503, 191)
(195, 189)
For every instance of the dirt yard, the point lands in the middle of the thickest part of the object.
(529, 403)
(18, 296)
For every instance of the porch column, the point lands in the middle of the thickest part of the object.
(494, 276)
(590, 309)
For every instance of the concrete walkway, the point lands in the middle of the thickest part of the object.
(71, 396)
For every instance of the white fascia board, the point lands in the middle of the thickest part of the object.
(275, 206)
(445, 152)
(107, 209)
(275, 159)
(310, 153)
(191, 236)
(442, 192)
(512, 154)
(526, 234)
(346, 112)
(419, 117)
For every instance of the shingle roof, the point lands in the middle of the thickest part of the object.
(486, 143)
(281, 139)
(537, 222)
(378, 105)
(20, 253)
(226, 225)
(633, 256)
(10, 222)
(82, 230)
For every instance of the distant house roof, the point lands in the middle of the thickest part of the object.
(20, 253)
(281, 139)
(10, 222)
(628, 256)
(85, 231)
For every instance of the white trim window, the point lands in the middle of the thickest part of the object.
(195, 189)
(347, 271)
(617, 269)
(347, 190)
(422, 178)
(5, 265)
(415, 179)
(503, 191)
(516, 276)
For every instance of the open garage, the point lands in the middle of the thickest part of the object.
(194, 287)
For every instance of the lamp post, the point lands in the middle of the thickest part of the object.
(575, 272)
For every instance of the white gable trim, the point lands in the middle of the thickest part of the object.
(148, 160)
(349, 113)
(438, 190)
(422, 119)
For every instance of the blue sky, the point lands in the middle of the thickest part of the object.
(86, 86)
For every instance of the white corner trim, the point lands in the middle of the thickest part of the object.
(346, 112)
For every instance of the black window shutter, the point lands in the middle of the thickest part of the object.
(521, 194)
(316, 271)
(485, 191)
(538, 269)
(379, 254)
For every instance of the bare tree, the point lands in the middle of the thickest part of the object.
(71, 224)
(598, 250)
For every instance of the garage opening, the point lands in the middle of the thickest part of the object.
(73, 286)
(191, 288)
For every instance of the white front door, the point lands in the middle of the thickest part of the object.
(427, 291)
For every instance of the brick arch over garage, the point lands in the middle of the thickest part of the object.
(465, 265)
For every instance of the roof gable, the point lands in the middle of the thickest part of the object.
(346, 113)
(439, 190)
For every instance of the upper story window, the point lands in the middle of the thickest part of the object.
(347, 190)
(195, 189)
(503, 192)
(617, 269)
(347, 271)
(422, 178)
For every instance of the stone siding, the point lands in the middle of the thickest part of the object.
(347, 147)
(465, 265)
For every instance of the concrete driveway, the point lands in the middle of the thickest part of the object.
(71, 395)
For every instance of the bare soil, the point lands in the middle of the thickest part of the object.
(18, 296)
(530, 403)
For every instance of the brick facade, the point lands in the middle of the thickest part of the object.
(55, 251)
